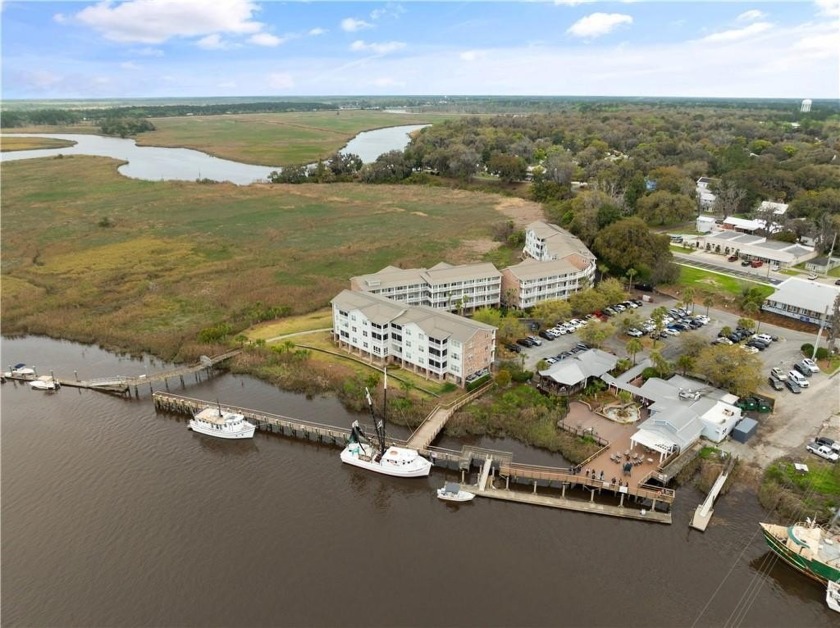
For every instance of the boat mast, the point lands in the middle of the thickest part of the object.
(379, 425)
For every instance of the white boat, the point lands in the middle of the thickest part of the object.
(397, 461)
(20, 371)
(453, 492)
(214, 421)
(45, 382)
(832, 595)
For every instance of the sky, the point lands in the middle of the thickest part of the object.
(195, 48)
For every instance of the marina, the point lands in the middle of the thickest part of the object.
(100, 491)
(561, 488)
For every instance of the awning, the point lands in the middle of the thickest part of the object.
(654, 440)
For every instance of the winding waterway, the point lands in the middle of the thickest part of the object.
(115, 515)
(155, 163)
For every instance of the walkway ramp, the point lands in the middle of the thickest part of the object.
(485, 474)
(703, 513)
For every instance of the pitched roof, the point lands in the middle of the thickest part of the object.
(534, 269)
(809, 295)
(559, 242)
(577, 368)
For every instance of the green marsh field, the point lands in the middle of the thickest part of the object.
(90, 255)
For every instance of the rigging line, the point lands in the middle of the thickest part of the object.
(734, 563)
(763, 572)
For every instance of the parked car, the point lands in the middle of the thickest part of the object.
(754, 342)
(828, 442)
(775, 384)
(537, 342)
(746, 262)
(636, 333)
(547, 334)
(732, 258)
(778, 373)
(525, 342)
(810, 364)
(799, 378)
(837, 282)
(513, 347)
(756, 263)
(748, 348)
(823, 452)
(723, 340)
(803, 369)
(766, 338)
(792, 386)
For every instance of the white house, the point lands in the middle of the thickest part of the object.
(777, 209)
(803, 300)
(705, 224)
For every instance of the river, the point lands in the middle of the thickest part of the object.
(155, 163)
(115, 515)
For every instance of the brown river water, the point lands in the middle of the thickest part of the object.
(115, 515)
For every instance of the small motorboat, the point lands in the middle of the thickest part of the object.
(45, 382)
(452, 492)
(20, 371)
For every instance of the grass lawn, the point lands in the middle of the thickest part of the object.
(31, 143)
(707, 282)
(273, 139)
(679, 248)
(320, 319)
(90, 255)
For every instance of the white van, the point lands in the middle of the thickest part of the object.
(799, 378)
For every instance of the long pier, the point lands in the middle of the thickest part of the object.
(652, 503)
(120, 384)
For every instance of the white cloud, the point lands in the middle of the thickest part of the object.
(828, 7)
(60, 18)
(213, 42)
(314, 32)
(751, 15)
(265, 39)
(472, 55)
(738, 33)
(227, 85)
(389, 10)
(129, 65)
(156, 21)
(386, 81)
(351, 25)
(280, 80)
(378, 48)
(598, 24)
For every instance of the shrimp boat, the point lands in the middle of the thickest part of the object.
(452, 492)
(396, 461)
(808, 548)
(213, 421)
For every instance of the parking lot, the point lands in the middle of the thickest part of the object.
(795, 420)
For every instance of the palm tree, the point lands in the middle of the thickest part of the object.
(688, 298)
(631, 272)
(685, 362)
(709, 301)
(750, 307)
(632, 347)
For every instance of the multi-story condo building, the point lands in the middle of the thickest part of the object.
(463, 288)
(557, 265)
(545, 242)
(435, 343)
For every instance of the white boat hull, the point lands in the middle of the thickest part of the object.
(396, 461)
(832, 596)
(201, 428)
(460, 496)
(41, 385)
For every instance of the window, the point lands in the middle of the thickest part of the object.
(344, 334)
(365, 345)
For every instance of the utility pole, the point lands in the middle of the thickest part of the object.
(828, 261)
(819, 333)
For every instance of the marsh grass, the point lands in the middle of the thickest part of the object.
(8, 144)
(90, 255)
(274, 139)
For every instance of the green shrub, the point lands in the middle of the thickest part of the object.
(521, 377)
(807, 349)
(478, 382)
(822, 353)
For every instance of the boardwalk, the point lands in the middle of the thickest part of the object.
(425, 435)
(121, 384)
(703, 513)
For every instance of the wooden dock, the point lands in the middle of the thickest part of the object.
(119, 384)
(703, 513)
(429, 429)
(649, 501)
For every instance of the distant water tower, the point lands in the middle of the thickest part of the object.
(806, 106)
